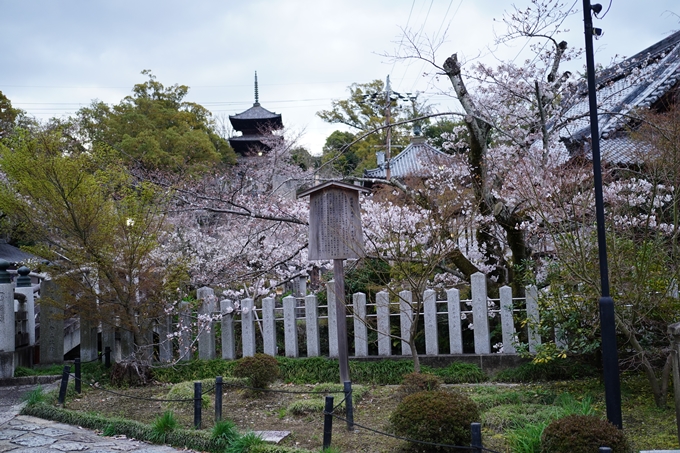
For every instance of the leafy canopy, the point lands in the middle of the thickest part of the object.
(155, 128)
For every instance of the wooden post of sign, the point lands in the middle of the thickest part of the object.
(335, 234)
(341, 318)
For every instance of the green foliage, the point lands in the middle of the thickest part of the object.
(185, 391)
(190, 439)
(438, 416)
(109, 430)
(35, 396)
(52, 370)
(224, 433)
(157, 129)
(515, 416)
(161, 426)
(527, 438)
(260, 369)
(582, 434)
(555, 370)
(458, 373)
(434, 132)
(418, 382)
(384, 372)
(244, 443)
(364, 112)
(193, 370)
(489, 396)
(368, 276)
(316, 405)
(337, 151)
(8, 115)
(313, 370)
(88, 208)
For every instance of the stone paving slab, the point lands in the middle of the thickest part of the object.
(27, 434)
(272, 436)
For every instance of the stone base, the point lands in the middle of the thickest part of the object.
(6, 365)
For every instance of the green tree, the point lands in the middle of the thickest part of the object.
(435, 131)
(340, 153)
(8, 115)
(98, 229)
(157, 129)
(365, 111)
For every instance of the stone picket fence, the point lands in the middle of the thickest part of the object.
(244, 328)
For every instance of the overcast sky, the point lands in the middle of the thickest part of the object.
(58, 55)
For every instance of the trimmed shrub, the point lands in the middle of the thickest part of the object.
(582, 434)
(260, 369)
(418, 382)
(185, 391)
(437, 416)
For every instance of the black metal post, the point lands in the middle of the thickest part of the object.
(348, 405)
(610, 358)
(328, 422)
(218, 398)
(78, 375)
(197, 405)
(64, 384)
(107, 357)
(476, 442)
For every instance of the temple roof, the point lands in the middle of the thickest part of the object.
(637, 82)
(257, 112)
(412, 161)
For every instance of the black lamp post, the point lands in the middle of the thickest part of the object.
(610, 358)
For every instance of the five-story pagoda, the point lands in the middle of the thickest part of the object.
(256, 126)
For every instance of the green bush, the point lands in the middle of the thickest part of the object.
(458, 373)
(185, 391)
(438, 416)
(260, 369)
(418, 382)
(555, 370)
(582, 434)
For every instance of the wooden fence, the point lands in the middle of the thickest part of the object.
(304, 327)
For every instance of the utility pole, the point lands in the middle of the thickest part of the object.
(388, 144)
(610, 358)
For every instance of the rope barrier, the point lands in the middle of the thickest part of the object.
(281, 391)
(99, 357)
(158, 400)
(458, 447)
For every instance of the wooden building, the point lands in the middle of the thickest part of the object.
(256, 126)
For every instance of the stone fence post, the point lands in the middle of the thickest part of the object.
(51, 324)
(674, 332)
(206, 332)
(6, 323)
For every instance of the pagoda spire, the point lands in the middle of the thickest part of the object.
(257, 95)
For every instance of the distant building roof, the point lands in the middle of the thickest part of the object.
(256, 125)
(13, 254)
(637, 82)
(412, 161)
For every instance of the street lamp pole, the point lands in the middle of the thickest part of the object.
(610, 359)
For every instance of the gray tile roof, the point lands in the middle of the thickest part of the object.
(256, 112)
(412, 161)
(637, 82)
(13, 254)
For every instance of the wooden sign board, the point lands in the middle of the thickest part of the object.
(334, 221)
